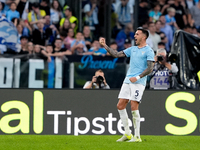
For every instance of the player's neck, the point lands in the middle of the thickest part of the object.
(142, 45)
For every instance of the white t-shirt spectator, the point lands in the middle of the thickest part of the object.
(93, 19)
(124, 13)
(54, 16)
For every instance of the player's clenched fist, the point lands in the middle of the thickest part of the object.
(102, 41)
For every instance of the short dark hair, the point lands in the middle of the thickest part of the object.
(58, 39)
(113, 42)
(151, 22)
(67, 8)
(187, 26)
(161, 43)
(47, 1)
(49, 45)
(23, 37)
(63, 33)
(36, 5)
(144, 1)
(144, 31)
(13, 3)
(157, 21)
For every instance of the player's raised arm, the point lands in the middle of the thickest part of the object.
(110, 50)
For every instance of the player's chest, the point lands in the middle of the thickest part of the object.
(138, 54)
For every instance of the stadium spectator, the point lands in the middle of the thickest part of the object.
(168, 32)
(158, 26)
(161, 45)
(87, 36)
(24, 42)
(98, 81)
(194, 31)
(164, 5)
(115, 28)
(63, 36)
(125, 13)
(163, 68)
(190, 3)
(40, 51)
(19, 30)
(91, 17)
(78, 46)
(113, 45)
(12, 13)
(72, 19)
(56, 12)
(123, 35)
(2, 12)
(155, 13)
(195, 14)
(164, 39)
(180, 16)
(39, 36)
(96, 49)
(47, 51)
(127, 43)
(58, 50)
(37, 49)
(153, 35)
(170, 20)
(44, 5)
(50, 29)
(188, 29)
(143, 14)
(30, 47)
(23, 8)
(66, 25)
(69, 39)
(26, 28)
(36, 13)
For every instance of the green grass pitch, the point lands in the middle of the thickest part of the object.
(96, 142)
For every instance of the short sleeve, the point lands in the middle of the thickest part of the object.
(103, 51)
(131, 9)
(151, 14)
(86, 84)
(127, 52)
(173, 19)
(42, 13)
(150, 55)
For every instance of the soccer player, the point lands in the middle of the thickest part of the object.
(141, 64)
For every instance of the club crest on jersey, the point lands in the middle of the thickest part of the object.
(143, 52)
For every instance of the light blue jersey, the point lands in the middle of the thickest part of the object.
(138, 62)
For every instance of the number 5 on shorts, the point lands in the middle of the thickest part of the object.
(136, 93)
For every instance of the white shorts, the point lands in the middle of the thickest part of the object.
(132, 92)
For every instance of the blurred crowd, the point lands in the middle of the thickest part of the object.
(49, 29)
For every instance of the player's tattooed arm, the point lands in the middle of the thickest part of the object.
(149, 69)
(113, 52)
